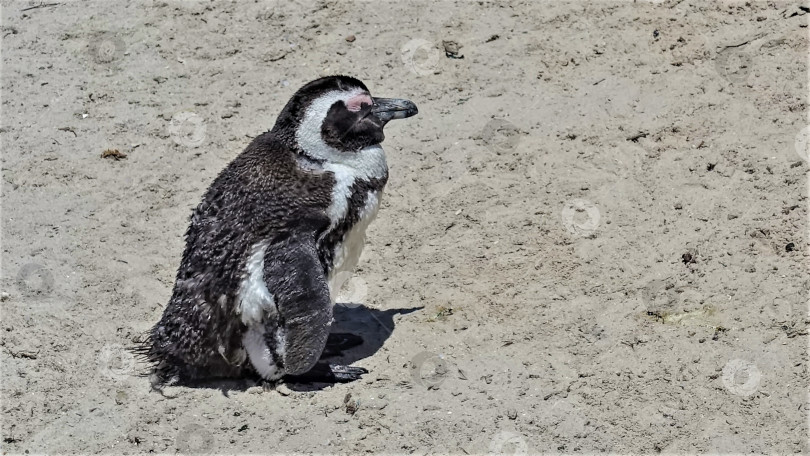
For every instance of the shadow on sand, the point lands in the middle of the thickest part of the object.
(372, 325)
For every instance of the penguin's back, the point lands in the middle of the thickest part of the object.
(263, 197)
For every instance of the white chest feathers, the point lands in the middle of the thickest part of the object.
(368, 163)
(348, 250)
(254, 299)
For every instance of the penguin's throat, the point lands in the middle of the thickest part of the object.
(366, 164)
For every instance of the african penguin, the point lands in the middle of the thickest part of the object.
(275, 232)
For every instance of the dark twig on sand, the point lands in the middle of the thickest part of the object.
(41, 5)
(637, 136)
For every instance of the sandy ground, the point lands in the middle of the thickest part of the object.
(594, 237)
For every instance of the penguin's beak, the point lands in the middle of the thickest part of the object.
(392, 108)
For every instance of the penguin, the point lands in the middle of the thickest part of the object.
(276, 232)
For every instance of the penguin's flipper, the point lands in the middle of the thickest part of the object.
(295, 277)
(337, 342)
(328, 373)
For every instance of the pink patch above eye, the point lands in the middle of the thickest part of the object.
(356, 102)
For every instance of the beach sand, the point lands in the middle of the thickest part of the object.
(593, 239)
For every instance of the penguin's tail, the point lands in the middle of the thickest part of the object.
(143, 349)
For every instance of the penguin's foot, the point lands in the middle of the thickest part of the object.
(337, 342)
(345, 374)
(328, 373)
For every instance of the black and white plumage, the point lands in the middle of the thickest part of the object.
(273, 235)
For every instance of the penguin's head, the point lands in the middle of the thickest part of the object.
(336, 115)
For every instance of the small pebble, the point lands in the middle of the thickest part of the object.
(512, 414)
(283, 389)
(352, 407)
(113, 153)
(451, 49)
(4, 296)
(351, 38)
(678, 206)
